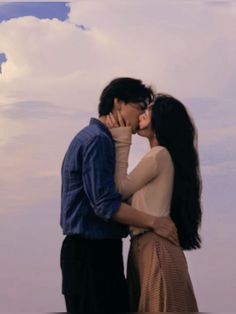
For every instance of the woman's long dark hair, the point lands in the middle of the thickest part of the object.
(175, 130)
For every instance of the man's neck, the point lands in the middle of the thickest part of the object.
(102, 119)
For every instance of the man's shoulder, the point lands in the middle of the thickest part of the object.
(92, 133)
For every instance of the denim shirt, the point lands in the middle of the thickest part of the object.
(88, 195)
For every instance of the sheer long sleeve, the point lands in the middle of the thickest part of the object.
(122, 137)
(145, 171)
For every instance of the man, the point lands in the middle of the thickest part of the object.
(93, 217)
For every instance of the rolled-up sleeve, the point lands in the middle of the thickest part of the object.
(98, 177)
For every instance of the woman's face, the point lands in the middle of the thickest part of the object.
(145, 129)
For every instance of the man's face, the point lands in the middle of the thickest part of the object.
(131, 112)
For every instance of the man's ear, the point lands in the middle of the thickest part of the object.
(117, 104)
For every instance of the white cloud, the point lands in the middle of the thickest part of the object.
(184, 49)
(63, 61)
(223, 168)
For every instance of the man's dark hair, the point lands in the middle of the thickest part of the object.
(126, 89)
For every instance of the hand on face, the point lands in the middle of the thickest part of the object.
(111, 122)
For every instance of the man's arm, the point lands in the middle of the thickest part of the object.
(163, 226)
(99, 185)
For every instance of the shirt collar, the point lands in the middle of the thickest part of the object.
(100, 125)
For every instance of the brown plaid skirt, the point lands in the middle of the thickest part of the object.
(158, 276)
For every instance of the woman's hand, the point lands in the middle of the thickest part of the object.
(111, 122)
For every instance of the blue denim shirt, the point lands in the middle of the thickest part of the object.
(88, 194)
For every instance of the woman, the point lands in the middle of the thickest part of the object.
(165, 182)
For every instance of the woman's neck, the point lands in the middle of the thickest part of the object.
(153, 141)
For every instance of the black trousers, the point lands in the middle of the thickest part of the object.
(93, 275)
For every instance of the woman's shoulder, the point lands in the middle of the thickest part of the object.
(156, 154)
(157, 150)
(160, 154)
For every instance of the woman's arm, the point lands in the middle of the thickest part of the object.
(122, 137)
(144, 172)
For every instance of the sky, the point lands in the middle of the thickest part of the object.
(55, 60)
(41, 10)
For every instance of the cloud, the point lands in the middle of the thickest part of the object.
(112, 51)
(219, 169)
(188, 54)
(30, 110)
(56, 68)
(222, 6)
(25, 110)
(161, 51)
(218, 3)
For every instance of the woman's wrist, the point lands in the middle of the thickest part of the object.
(122, 133)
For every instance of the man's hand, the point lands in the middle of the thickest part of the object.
(165, 227)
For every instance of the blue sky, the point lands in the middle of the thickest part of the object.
(41, 10)
(2, 59)
(49, 89)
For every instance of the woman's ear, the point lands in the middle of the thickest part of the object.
(144, 120)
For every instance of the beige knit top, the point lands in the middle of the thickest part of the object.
(150, 183)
